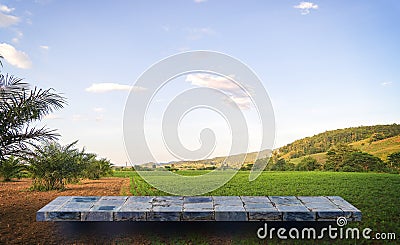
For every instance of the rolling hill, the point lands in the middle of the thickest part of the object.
(378, 140)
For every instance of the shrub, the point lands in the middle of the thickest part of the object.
(54, 165)
(11, 168)
(94, 169)
(308, 164)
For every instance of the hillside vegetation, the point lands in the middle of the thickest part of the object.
(322, 142)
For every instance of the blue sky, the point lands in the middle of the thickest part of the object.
(325, 64)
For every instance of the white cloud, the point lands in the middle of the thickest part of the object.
(77, 118)
(235, 92)
(197, 33)
(305, 7)
(386, 84)
(44, 47)
(52, 117)
(15, 57)
(18, 37)
(98, 109)
(108, 87)
(5, 9)
(200, 1)
(7, 20)
(99, 118)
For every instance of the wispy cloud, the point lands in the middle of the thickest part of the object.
(197, 33)
(15, 57)
(200, 1)
(6, 19)
(6, 9)
(18, 36)
(108, 87)
(305, 7)
(386, 84)
(44, 47)
(78, 117)
(236, 93)
(52, 117)
(98, 109)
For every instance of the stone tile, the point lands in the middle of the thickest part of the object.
(136, 199)
(299, 216)
(229, 209)
(194, 216)
(197, 199)
(75, 207)
(343, 204)
(84, 199)
(114, 200)
(230, 216)
(329, 215)
(285, 200)
(60, 200)
(198, 206)
(356, 216)
(164, 216)
(129, 216)
(139, 206)
(267, 215)
(292, 208)
(227, 201)
(63, 216)
(313, 199)
(97, 216)
(255, 199)
(253, 205)
(174, 208)
(322, 207)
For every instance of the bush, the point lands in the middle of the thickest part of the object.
(55, 165)
(308, 164)
(11, 168)
(95, 169)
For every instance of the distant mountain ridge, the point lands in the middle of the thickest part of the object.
(378, 140)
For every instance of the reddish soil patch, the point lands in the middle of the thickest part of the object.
(18, 208)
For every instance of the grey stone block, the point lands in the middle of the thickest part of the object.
(194, 216)
(299, 216)
(164, 216)
(230, 216)
(129, 216)
(63, 216)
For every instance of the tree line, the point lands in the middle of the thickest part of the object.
(340, 157)
(324, 141)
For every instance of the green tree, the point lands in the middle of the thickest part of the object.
(11, 168)
(95, 169)
(54, 165)
(394, 160)
(308, 164)
(336, 156)
(20, 106)
(362, 162)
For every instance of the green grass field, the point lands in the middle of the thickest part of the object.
(376, 195)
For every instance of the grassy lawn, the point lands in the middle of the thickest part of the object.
(376, 195)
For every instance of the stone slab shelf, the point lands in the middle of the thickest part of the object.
(198, 208)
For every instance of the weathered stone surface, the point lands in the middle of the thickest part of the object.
(299, 216)
(207, 208)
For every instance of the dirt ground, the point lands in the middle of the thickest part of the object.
(18, 206)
